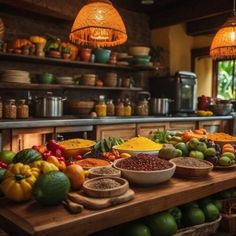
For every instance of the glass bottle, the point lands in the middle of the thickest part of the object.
(127, 108)
(9, 109)
(142, 108)
(22, 109)
(1, 108)
(101, 107)
(110, 108)
(119, 108)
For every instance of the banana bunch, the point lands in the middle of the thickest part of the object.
(105, 145)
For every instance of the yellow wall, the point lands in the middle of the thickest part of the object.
(179, 46)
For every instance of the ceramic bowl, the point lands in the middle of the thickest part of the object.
(46, 78)
(146, 177)
(102, 55)
(139, 51)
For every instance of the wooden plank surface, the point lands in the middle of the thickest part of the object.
(31, 219)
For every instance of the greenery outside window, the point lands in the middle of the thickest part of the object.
(226, 81)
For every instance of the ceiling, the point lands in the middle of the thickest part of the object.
(201, 16)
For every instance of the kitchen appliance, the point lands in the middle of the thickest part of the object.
(48, 106)
(181, 88)
(160, 106)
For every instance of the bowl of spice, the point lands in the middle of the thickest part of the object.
(145, 169)
(103, 171)
(90, 162)
(191, 167)
(102, 187)
(138, 145)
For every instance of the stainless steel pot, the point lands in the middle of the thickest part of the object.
(48, 106)
(160, 106)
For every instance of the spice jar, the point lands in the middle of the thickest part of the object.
(110, 108)
(1, 108)
(9, 109)
(127, 108)
(22, 109)
(119, 108)
(101, 107)
(142, 109)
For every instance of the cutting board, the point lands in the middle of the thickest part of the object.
(100, 203)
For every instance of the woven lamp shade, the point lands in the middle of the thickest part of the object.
(98, 24)
(224, 43)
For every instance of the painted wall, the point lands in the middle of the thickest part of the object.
(179, 45)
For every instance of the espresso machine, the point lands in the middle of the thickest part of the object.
(181, 88)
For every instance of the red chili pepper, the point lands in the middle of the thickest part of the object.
(61, 158)
(47, 154)
(3, 165)
(53, 145)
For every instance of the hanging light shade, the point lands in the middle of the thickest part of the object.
(98, 24)
(224, 43)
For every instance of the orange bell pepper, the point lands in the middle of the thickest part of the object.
(61, 165)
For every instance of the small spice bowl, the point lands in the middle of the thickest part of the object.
(105, 187)
(103, 171)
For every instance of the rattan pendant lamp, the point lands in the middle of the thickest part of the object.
(98, 24)
(224, 43)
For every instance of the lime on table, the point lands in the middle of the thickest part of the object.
(7, 156)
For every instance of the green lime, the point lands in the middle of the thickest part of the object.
(211, 212)
(7, 156)
(136, 229)
(194, 216)
(218, 204)
(224, 161)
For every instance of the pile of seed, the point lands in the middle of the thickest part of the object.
(103, 184)
(190, 162)
(144, 162)
(104, 171)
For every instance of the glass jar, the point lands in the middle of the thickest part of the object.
(110, 108)
(119, 108)
(127, 108)
(1, 108)
(9, 109)
(22, 109)
(101, 108)
(142, 108)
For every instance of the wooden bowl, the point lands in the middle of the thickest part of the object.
(103, 193)
(187, 171)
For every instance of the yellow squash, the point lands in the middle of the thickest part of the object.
(18, 182)
(44, 166)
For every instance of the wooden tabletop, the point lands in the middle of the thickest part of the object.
(31, 219)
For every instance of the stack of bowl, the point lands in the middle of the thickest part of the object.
(140, 55)
(88, 79)
(67, 80)
(78, 107)
(110, 80)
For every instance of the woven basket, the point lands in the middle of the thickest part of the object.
(200, 230)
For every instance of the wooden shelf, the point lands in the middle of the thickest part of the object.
(31, 219)
(22, 86)
(68, 63)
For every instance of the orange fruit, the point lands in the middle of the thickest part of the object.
(76, 175)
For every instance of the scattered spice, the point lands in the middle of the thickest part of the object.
(105, 171)
(144, 162)
(103, 184)
(140, 143)
(190, 162)
(92, 162)
(221, 137)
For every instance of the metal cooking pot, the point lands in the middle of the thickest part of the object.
(160, 106)
(48, 106)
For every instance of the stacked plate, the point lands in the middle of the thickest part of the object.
(15, 76)
(67, 80)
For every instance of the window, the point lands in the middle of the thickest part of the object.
(226, 81)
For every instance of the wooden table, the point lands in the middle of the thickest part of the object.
(31, 219)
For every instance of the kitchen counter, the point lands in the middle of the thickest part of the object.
(75, 121)
(31, 219)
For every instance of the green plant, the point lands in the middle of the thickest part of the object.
(65, 50)
(157, 53)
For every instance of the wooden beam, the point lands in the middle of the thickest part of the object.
(189, 10)
(206, 26)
